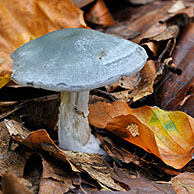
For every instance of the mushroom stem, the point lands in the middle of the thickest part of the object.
(74, 130)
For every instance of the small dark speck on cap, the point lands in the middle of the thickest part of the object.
(30, 84)
(61, 84)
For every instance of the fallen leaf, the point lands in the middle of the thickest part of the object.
(5, 66)
(82, 3)
(119, 154)
(56, 178)
(149, 16)
(176, 92)
(22, 135)
(15, 128)
(158, 32)
(36, 138)
(169, 171)
(138, 85)
(139, 184)
(33, 139)
(36, 113)
(121, 30)
(22, 21)
(162, 21)
(13, 184)
(183, 183)
(99, 14)
(177, 6)
(168, 135)
(50, 186)
(4, 80)
(93, 164)
(13, 161)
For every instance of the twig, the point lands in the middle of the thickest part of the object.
(103, 94)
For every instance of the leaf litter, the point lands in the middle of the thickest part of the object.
(62, 171)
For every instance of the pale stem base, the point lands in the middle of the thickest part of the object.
(74, 130)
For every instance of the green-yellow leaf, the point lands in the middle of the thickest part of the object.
(168, 135)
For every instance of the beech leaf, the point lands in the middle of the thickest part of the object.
(22, 21)
(167, 134)
(183, 183)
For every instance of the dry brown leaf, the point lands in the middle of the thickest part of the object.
(121, 30)
(50, 186)
(122, 123)
(22, 135)
(138, 85)
(55, 179)
(162, 20)
(82, 3)
(176, 92)
(93, 164)
(16, 128)
(119, 154)
(150, 16)
(158, 31)
(99, 14)
(183, 183)
(22, 21)
(177, 6)
(13, 161)
(168, 135)
(13, 184)
(36, 138)
(139, 184)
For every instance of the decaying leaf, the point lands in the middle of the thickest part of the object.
(22, 21)
(138, 85)
(159, 26)
(93, 164)
(13, 161)
(35, 139)
(177, 6)
(56, 178)
(183, 183)
(138, 184)
(15, 128)
(22, 135)
(82, 3)
(13, 184)
(99, 14)
(119, 154)
(168, 135)
(176, 92)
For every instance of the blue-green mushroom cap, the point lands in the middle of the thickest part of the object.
(75, 60)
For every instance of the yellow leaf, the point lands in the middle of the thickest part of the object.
(4, 80)
(168, 135)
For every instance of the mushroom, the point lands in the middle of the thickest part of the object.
(74, 61)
